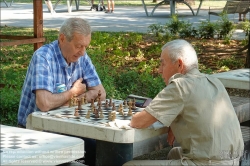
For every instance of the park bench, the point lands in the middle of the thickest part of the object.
(7, 3)
(172, 4)
(231, 7)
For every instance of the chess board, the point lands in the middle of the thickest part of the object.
(27, 147)
(68, 113)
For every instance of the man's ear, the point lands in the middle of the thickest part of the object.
(181, 65)
(62, 38)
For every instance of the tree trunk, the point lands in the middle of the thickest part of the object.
(247, 65)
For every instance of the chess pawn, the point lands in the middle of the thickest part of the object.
(129, 103)
(88, 115)
(113, 107)
(110, 116)
(79, 104)
(125, 104)
(92, 103)
(93, 109)
(133, 105)
(96, 114)
(75, 100)
(121, 112)
(99, 94)
(71, 102)
(113, 117)
(101, 115)
(82, 101)
(130, 113)
(85, 99)
(110, 102)
(106, 104)
(76, 112)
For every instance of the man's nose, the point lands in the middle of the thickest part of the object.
(81, 51)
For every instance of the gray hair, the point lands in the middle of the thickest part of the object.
(181, 49)
(75, 25)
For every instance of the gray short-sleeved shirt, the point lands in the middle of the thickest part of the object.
(202, 118)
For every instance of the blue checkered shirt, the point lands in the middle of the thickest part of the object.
(47, 68)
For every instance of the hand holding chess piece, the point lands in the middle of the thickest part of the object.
(78, 87)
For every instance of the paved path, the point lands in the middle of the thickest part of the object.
(127, 19)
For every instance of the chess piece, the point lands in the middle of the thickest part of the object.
(76, 112)
(130, 113)
(92, 103)
(79, 104)
(113, 107)
(99, 95)
(82, 101)
(133, 105)
(110, 116)
(101, 114)
(75, 100)
(110, 102)
(113, 115)
(93, 109)
(125, 104)
(85, 99)
(88, 115)
(106, 104)
(121, 111)
(71, 102)
(96, 114)
(129, 104)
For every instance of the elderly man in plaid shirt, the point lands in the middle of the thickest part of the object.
(61, 62)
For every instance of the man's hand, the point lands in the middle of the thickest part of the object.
(171, 137)
(78, 87)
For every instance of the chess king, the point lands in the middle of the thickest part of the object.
(63, 61)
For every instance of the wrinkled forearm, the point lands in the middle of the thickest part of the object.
(142, 120)
(46, 100)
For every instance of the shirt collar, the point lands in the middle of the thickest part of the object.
(193, 71)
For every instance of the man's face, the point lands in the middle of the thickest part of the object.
(74, 49)
(167, 68)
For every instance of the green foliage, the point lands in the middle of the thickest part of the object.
(10, 97)
(230, 63)
(225, 27)
(207, 29)
(245, 25)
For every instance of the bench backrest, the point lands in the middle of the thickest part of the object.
(231, 7)
(243, 7)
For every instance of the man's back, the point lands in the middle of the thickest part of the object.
(207, 127)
